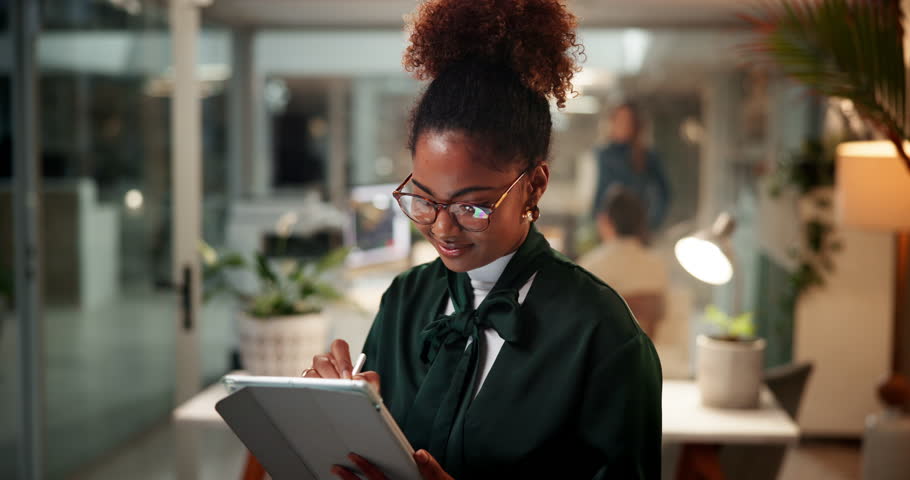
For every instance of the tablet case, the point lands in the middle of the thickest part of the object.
(300, 433)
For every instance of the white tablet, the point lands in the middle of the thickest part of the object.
(298, 428)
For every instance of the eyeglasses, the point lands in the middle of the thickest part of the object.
(468, 216)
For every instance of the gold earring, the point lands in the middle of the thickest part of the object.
(532, 214)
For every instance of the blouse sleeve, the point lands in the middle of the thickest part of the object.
(621, 411)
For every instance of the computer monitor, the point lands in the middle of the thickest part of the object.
(379, 231)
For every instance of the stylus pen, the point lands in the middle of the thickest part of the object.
(357, 366)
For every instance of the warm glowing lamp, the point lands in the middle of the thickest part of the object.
(873, 187)
(707, 254)
(873, 193)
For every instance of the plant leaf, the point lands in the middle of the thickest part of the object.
(233, 260)
(742, 326)
(715, 317)
(209, 254)
(334, 258)
(850, 49)
(327, 291)
(265, 270)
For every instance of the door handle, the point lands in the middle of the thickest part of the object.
(186, 297)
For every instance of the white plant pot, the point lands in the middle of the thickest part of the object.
(729, 374)
(282, 346)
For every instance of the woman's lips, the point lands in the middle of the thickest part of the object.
(451, 250)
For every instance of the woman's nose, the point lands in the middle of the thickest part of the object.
(444, 225)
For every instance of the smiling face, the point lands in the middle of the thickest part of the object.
(449, 166)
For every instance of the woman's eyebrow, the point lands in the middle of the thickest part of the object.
(463, 191)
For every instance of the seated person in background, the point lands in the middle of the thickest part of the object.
(623, 260)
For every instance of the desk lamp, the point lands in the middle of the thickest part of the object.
(707, 254)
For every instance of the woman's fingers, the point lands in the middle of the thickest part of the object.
(324, 367)
(344, 473)
(368, 469)
(428, 466)
(341, 353)
(370, 377)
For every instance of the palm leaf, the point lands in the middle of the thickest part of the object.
(851, 49)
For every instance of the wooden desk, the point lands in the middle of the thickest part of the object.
(685, 421)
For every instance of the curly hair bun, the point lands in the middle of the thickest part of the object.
(534, 38)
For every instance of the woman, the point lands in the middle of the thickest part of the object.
(501, 359)
(625, 161)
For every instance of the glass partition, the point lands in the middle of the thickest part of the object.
(109, 304)
(9, 375)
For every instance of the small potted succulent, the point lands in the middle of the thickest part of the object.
(730, 361)
(282, 324)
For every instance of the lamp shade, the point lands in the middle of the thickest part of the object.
(707, 255)
(873, 187)
(704, 260)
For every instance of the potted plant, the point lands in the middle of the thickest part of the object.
(730, 361)
(810, 174)
(282, 324)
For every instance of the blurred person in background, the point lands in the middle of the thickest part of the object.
(626, 161)
(623, 260)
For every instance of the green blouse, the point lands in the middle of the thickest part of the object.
(576, 396)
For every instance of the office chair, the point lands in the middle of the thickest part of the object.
(763, 462)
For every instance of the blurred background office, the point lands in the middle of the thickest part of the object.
(303, 108)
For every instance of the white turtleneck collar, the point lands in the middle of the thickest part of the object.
(485, 277)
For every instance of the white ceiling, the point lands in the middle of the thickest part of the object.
(389, 13)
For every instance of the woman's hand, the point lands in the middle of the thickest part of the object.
(337, 364)
(427, 465)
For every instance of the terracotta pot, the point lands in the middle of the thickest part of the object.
(729, 373)
(282, 346)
